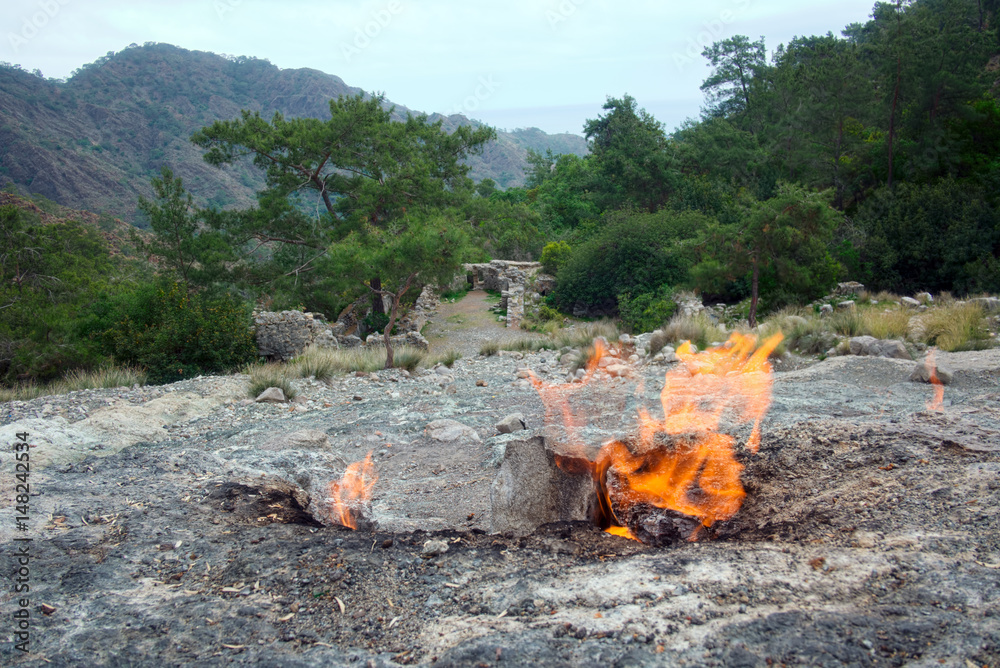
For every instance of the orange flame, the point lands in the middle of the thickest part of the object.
(680, 462)
(938, 400)
(354, 489)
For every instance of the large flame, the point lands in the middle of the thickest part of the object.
(681, 462)
(352, 492)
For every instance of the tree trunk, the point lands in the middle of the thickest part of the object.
(387, 334)
(754, 289)
(377, 305)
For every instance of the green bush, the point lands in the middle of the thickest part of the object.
(633, 253)
(554, 255)
(174, 334)
(647, 311)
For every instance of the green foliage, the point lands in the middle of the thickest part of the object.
(172, 333)
(629, 163)
(783, 243)
(503, 229)
(646, 311)
(554, 255)
(941, 236)
(187, 249)
(632, 253)
(49, 274)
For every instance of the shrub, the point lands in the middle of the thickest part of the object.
(554, 255)
(645, 312)
(489, 348)
(633, 253)
(174, 334)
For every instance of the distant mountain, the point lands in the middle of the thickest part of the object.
(94, 141)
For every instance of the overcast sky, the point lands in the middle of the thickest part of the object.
(512, 63)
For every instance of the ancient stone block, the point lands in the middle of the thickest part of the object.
(531, 490)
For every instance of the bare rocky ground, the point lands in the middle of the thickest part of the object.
(184, 525)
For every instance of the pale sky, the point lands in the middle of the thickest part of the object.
(513, 63)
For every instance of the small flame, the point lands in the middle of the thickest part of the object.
(354, 489)
(681, 462)
(938, 400)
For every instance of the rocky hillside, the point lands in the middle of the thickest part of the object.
(94, 141)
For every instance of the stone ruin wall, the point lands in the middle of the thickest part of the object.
(282, 336)
(512, 280)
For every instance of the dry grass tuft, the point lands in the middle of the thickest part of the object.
(108, 376)
(957, 327)
(699, 329)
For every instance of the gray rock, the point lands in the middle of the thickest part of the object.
(531, 490)
(988, 304)
(910, 302)
(272, 395)
(448, 431)
(846, 305)
(925, 298)
(826, 309)
(922, 373)
(511, 423)
(849, 288)
(433, 548)
(870, 346)
(894, 350)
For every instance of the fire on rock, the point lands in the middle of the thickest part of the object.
(679, 473)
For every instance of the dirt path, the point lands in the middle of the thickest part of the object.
(465, 325)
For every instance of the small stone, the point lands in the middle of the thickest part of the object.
(512, 423)
(524, 373)
(480, 383)
(433, 548)
(616, 370)
(910, 302)
(272, 395)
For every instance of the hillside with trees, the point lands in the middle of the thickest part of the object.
(94, 141)
(872, 156)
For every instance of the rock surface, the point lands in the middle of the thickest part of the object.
(870, 533)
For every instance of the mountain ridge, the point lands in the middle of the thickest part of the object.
(94, 141)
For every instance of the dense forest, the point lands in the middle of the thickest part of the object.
(871, 156)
